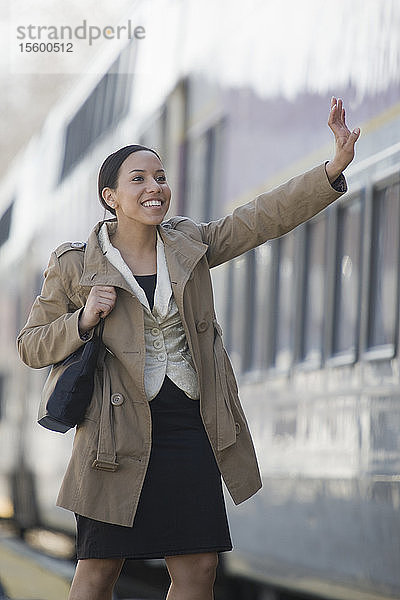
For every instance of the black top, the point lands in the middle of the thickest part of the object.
(148, 283)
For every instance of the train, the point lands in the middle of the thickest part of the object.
(310, 320)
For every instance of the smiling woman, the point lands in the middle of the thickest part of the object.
(141, 183)
(165, 423)
(133, 186)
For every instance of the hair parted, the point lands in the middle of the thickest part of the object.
(109, 170)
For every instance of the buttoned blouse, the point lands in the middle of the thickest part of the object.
(166, 347)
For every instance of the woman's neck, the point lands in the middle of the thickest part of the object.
(140, 240)
(137, 247)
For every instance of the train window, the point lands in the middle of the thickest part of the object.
(97, 108)
(247, 303)
(101, 110)
(1, 395)
(203, 174)
(347, 278)
(237, 313)
(262, 315)
(384, 269)
(283, 304)
(210, 175)
(313, 291)
(195, 177)
(5, 224)
(229, 306)
(175, 143)
(111, 86)
(126, 66)
(249, 311)
(153, 134)
(215, 137)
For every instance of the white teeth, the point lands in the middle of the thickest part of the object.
(152, 203)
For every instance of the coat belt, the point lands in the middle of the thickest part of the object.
(106, 458)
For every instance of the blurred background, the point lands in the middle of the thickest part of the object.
(235, 96)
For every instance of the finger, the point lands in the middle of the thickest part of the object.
(343, 115)
(337, 125)
(106, 296)
(332, 116)
(106, 311)
(355, 133)
(353, 137)
(105, 301)
(108, 292)
(104, 288)
(103, 309)
(335, 115)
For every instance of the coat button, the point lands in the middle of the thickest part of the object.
(117, 399)
(155, 331)
(78, 245)
(158, 344)
(202, 326)
(161, 357)
(237, 427)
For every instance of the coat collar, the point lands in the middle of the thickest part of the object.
(182, 253)
(163, 290)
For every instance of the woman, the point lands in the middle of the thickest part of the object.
(165, 421)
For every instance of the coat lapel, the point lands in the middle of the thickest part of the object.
(97, 270)
(177, 256)
(182, 255)
(163, 291)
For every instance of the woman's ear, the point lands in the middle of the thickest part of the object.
(108, 197)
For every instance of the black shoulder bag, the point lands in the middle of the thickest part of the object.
(68, 389)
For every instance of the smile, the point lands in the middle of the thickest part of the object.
(152, 203)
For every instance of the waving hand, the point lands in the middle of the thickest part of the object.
(344, 140)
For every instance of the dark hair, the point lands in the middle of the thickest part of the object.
(109, 170)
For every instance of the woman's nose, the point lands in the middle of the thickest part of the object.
(153, 186)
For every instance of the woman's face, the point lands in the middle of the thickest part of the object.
(142, 194)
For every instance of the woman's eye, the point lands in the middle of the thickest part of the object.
(161, 178)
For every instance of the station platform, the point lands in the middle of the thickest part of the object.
(26, 574)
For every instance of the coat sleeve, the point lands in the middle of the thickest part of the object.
(51, 332)
(270, 215)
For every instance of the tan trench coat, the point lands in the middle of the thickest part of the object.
(112, 446)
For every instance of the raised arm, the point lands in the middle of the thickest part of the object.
(277, 212)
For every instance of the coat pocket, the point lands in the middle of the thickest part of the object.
(226, 426)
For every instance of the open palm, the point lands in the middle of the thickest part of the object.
(344, 138)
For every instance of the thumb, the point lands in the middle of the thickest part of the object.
(353, 137)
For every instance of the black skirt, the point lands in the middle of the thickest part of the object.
(181, 508)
